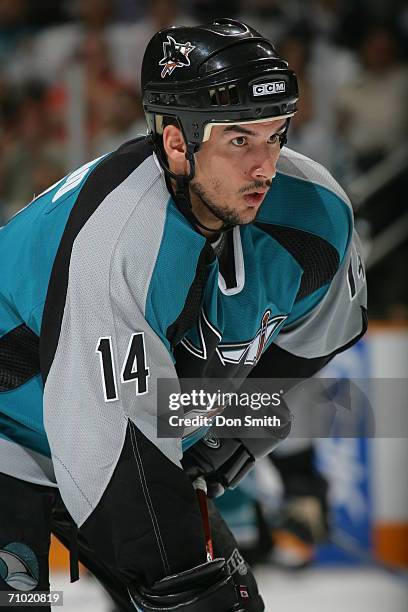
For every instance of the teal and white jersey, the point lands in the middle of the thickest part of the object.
(103, 273)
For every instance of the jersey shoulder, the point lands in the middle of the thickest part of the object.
(310, 215)
(305, 196)
(297, 166)
(31, 239)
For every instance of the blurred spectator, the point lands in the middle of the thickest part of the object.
(123, 120)
(340, 21)
(337, 21)
(372, 108)
(330, 69)
(95, 14)
(324, 14)
(402, 25)
(205, 11)
(27, 149)
(100, 80)
(270, 17)
(16, 40)
(56, 46)
(47, 12)
(322, 69)
(308, 134)
(130, 10)
(129, 44)
(99, 88)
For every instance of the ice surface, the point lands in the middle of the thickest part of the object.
(315, 590)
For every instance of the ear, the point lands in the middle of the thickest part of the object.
(175, 148)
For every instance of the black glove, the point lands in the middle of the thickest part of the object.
(200, 589)
(224, 462)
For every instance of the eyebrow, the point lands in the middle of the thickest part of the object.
(242, 130)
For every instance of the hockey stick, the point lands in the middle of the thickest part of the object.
(200, 487)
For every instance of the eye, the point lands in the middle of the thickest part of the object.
(239, 141)
(275, 138)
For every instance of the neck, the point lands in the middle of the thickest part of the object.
(203, 215)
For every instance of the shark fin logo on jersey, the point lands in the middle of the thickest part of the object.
(175, 55)
(250, 352)
(263, 336)
(246, 353)
(19, 566)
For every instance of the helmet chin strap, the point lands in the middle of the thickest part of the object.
(182, 192)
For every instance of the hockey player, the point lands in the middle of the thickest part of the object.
(155, 261)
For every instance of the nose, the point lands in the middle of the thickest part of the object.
(263, 167)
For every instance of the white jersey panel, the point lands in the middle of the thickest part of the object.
(22, 462)
(109, 275)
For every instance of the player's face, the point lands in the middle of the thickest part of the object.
(234, 170)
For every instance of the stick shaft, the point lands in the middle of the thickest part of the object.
(200, 487)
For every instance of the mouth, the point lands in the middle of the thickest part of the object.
(255, 197)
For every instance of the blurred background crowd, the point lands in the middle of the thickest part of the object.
(70, 91)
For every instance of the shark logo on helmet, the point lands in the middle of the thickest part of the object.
(175, 55)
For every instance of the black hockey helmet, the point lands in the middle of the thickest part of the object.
(219, 73)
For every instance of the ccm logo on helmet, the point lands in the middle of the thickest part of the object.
(265, 89)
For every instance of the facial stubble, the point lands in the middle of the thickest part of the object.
(223, 213)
